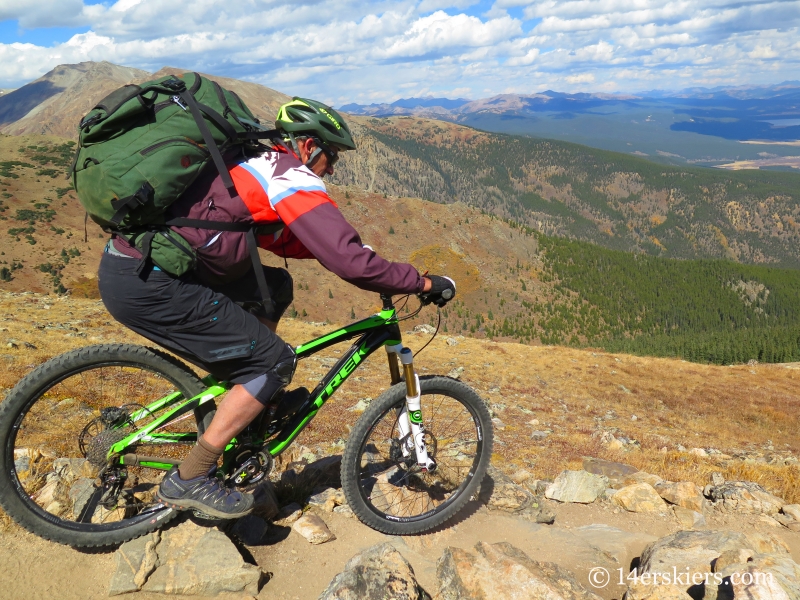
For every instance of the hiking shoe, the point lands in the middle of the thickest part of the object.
(206, 494)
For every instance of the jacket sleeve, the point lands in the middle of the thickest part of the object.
(325, 232)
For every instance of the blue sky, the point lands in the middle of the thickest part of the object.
(377, 51)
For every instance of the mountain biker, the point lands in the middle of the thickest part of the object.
(215, 317)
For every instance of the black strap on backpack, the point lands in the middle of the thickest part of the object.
(252, 245)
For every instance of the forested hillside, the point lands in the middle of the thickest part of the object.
(611, 199)
(702, 310)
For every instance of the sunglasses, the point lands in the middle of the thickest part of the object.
(333, 155)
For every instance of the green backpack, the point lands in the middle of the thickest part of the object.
(143, 145)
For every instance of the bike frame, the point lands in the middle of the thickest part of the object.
(373, 332)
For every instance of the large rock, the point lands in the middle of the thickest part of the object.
(640, 497)
(134, 561)
(744, 497)
(200, 561)
(266, 501)
(576, 486)
(792, 510)
(313, 529)
(694, 551)
(647, 590)
(689, 519)
(615, 471)
(622, 546)
(684, 494)
(376, 573)
(760, 577)
(499, 492)
(502, 572)
(250, 530)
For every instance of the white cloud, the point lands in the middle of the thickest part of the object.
(43, 13)
(374, 50)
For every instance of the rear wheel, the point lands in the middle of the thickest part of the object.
(56, 427)
(388, 491)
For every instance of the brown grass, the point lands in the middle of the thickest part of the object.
(738, 410)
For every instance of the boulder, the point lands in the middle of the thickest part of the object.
(501, 571)
(79, 494)
(640, 497)
(642, 477)
(695, 551)
(187, 559)
(623, 546)
(327, 499)
(313, 529)
(684, 494)
(689, 519)
(133, 563)
(760, 577)
(744, 497)
(250, 530)
(647, 590)
(576, 486)
(376, 573)
(538, 512)
(266, 501)
(616, 472)
(499, 492)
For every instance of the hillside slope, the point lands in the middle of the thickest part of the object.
(611, 199)
(513, 282)
(614, 200)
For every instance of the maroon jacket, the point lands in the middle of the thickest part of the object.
(272, 188)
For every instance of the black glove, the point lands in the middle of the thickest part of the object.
(443, 289)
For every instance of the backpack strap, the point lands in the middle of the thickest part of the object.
(211, 145)
(125, 205)
(266, 297)
(252, 245)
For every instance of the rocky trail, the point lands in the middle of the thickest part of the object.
(580, 536)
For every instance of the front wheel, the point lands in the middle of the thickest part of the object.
(387, 490)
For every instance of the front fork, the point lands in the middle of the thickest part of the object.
(409, 419)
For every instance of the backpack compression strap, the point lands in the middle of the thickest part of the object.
(252, 246)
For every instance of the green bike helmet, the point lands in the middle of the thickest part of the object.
(302, 117)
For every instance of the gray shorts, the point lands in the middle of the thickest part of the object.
(216, 328)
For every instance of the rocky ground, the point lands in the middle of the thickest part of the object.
(601, 462)
(599, 532)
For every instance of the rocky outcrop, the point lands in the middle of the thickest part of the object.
(495, 571)
(577, 486)
(760, 576)
(499, 492)
(616, 472)
(743, 497)
(187, 559)
(684, 494)
(640, 497)
(376, 573)
(695, 550)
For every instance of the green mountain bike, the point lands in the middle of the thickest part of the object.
(86, 438)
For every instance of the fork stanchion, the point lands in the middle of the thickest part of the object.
(394, 367)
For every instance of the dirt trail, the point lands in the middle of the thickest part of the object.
(34, 568)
